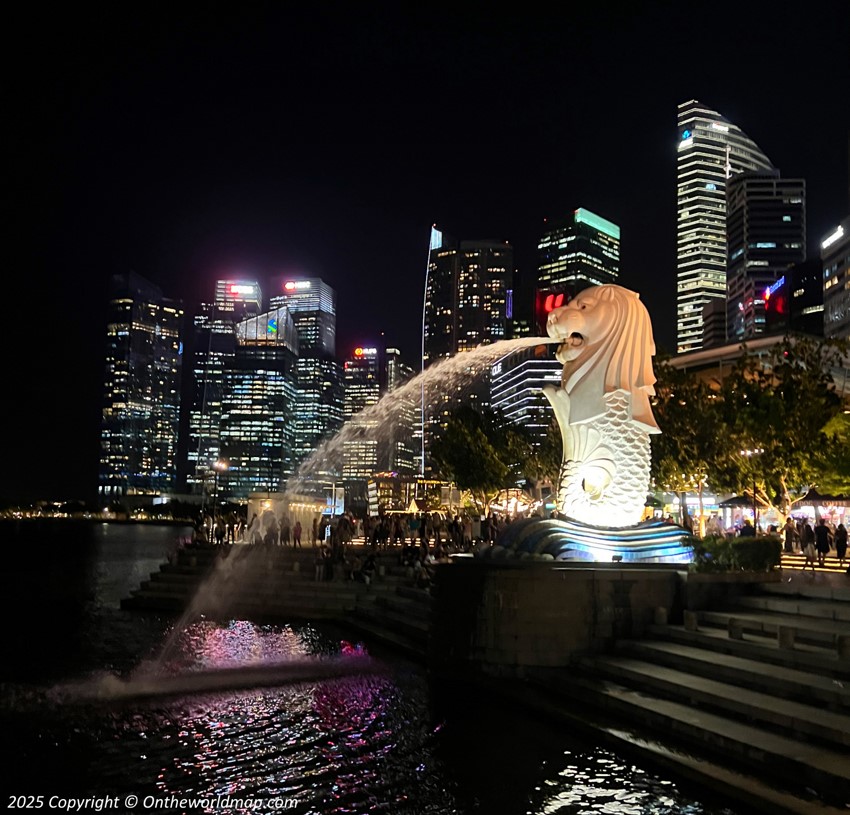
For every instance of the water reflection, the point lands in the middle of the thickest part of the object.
(388, 742)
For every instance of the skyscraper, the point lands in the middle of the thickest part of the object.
(319, 402)
(466, 296)
(710, 150)
(578, 251)
(258, 406)
(213, 348)
(466, 305)
(835, 255)
(402, 454)
(362, 381)
(766, 235)
(141, 406)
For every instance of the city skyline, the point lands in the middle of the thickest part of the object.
(282, 143)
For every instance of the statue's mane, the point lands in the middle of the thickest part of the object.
(621, 359)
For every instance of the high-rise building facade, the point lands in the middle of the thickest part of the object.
(141, 406)
(516, 388)
(319, 403)
(362, 382)
(404, 439)
(466, 305)
(835, 256)
(258, 406)
(710, 150)
(578, 251)
(466, 296)
(213, 349)
(765, 236)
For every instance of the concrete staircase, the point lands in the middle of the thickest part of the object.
(255, 582)
(401, 619)
(756, 690)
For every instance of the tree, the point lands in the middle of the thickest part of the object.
(480, 452)
(691, 445)
(780, 406)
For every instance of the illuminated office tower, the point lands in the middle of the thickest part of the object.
(403, 441)
(578, 251)
(141, 407)
(516, 388)
(466, 296)
(466, 305)
(765, 236)
(319, 403)
(362, 382)
(710, 150)
(835, 256)
(258, 406)
(213, 348)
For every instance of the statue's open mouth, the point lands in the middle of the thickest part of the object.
(568, 349)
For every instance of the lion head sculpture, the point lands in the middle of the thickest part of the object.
(607, 345)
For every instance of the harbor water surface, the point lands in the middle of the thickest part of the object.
(392, 741)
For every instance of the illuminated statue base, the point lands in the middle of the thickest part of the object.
(568, 540)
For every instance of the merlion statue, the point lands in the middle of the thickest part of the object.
(602, 406)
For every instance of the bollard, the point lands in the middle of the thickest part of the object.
(785, 635)
(843, 643)
(736, 629)
(691, 621)
(661, 616)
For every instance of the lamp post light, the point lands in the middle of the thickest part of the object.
(218, 466)
(756, 451)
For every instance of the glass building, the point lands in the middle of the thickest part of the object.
(578, 251)
(362, 381)
(765, 236)
(710, 149)
(319, 401)
(141, 404)
(258, 406)
(468, 298)
(516, 388)
(213, 349)
(835, 256)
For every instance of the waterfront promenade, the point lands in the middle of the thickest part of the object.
(741, 685)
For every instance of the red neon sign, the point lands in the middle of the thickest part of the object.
(552, 302)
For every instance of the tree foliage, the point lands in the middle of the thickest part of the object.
(782, 407)
(686, 454)
(483, 453)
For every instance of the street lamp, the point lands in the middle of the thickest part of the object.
(756, 451)
(218, 466)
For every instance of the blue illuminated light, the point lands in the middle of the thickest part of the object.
(771, 290)
(686, 134)
(272, 327)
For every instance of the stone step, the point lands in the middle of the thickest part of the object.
(413, 629)
(810, 722)
(806, 629)
(402, 605)
(805, 607)
(765, 648)
(793, 764)
(830, 592)
(753, 673)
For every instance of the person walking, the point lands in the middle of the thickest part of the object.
(296, 535)
(790, 530)
(841, 543)
(823, 541)
(807, 541)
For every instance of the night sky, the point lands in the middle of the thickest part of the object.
(255, 139)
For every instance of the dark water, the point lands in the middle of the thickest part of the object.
(386, 742)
